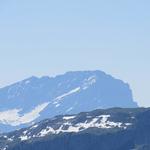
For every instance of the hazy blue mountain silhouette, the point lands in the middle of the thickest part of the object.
(70, 93)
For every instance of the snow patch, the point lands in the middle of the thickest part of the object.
(46, 131)
(88, 82)
(69, 93)
(101, 121)
(27, 81)
(68, 117)
(58, 99)
(13, 117)
(24, 138)
(69, 109)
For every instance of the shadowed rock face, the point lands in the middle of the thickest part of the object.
(35, 98)
(110, 129)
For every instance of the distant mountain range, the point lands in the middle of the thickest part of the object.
(111, 129)
(35, 99)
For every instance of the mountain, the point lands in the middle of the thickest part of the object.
(110, 129)
(34, 99)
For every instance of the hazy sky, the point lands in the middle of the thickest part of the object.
(48, 37)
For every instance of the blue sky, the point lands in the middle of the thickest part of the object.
(51, 37)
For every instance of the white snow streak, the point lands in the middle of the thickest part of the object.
(68, 117)
(13, 117)
(69, 93)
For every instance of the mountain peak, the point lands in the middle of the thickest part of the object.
(72, 92)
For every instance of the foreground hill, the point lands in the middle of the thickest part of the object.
(111, 129)
(35, 99)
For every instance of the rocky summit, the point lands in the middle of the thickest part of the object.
(35, 99)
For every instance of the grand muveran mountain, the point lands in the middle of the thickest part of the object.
(34, 99)
(111, 129)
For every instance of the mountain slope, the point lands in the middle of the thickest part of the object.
(35, 98)
(111, 129)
